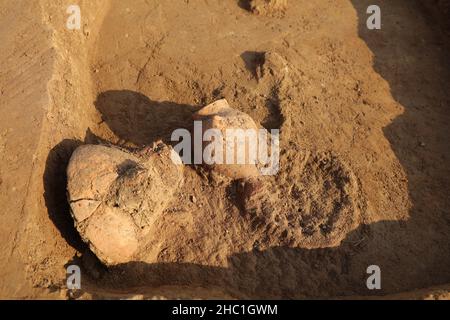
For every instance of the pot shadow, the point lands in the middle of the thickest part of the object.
(55, 182)
(136, 119)
(275, 273)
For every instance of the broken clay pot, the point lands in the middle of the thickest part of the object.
(115, 196)
(220, 116)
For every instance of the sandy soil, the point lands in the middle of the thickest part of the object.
(364, 126)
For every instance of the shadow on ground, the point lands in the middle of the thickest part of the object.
(136, 119)
(55, 182)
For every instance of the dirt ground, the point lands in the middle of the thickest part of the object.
(365, 155)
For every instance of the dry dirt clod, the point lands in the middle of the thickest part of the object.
(115, 196)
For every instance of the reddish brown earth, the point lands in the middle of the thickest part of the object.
(364, 123)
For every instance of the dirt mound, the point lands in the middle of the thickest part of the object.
(319, 204)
